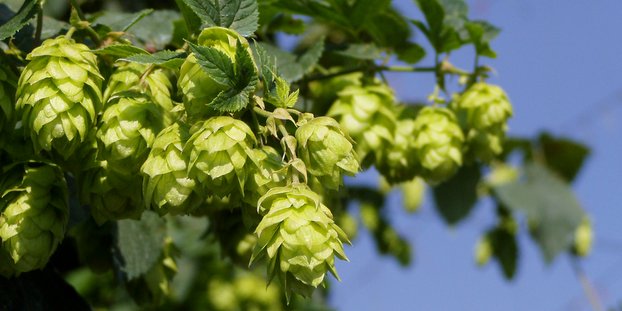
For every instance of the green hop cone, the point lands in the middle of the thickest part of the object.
(110, 193)
(438, 140)
(483, 111)
(166, 185)
(196, 86)
(326, 150)
(366, 113)
(34, 217)
(156, 83)
(219, 152)
(583, 238)
(59, 95)
(325, 92)
(398, 162)
(130, 123)
(269, 173)
(299, 238)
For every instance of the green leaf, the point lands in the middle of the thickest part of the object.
(446, 20)
(366, 51)
(564, 156)
(456, 197)
(410, 53)
(232, 100)
(363, 10)
(120, 21)
(140, 243)
(150, 29)
(266, 64)
(289, 66)
(166, 58)
(320, 10)
(239, 15)
(388, 29)
(481, 33)
(28, 10)
(551, 208)
(216, 63)
(52, 27)
(192, 21)
(505, 250)
(120, 50)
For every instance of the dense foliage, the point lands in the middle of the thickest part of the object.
(180, 157)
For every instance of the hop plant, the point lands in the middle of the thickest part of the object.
(366, 113)
(59, 95)
(484, 110)
(326, 150)
(219, 152)
(196, 86)
(166, 185)
(299, 237)
(398, 162)
(438, 140)
(155, 83)
(34, 217)
(268, 174)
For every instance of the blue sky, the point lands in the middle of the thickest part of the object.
(559, 61)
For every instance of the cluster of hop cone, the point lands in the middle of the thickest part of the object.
(130, 146)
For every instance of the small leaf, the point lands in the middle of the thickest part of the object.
(366, 51)
(289, 66)
(165, 58)
(216, 63)
(505, 251)
(564, 156)
(551, 208)
(192, 21)
(410, 53)
(239, 15)
(232, 100)
(120, 50)
(456, 197)
(481, 33)
(362, 10)
(28, 10)
(140, 243)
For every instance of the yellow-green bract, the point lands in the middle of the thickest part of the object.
(59, 95)
(299, 237)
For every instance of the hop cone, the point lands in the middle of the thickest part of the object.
(583, 238)
(219, 152)
(299, 237)
(156, 83)
(484, 110)
(366, 114)
(166, 185)
(438, 140)
(325, 92)
(34, 217)
(196, 86)
(111, 193)
(269, 173)
(326, 150)
(398, 163)
(59, 95)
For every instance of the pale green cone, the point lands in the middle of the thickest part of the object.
(196, 86)
(483, 111)
(130, 123)
(156, 84)
(325, 92)
(166, 185)
(219, 153)
(34, 217)
(59, 95)
(111, 194)
(366, 113)
(583, 238)
(399, 162)
(438, 140)
(269, 173)
(299, 238)
(326, 150)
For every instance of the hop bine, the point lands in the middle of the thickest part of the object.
(299, 238)
(59, 95)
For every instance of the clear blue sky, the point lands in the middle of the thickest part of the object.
(560, 61)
